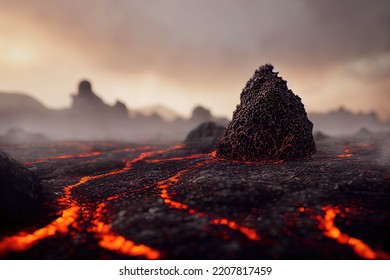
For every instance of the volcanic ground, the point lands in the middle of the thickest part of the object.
(109, 200)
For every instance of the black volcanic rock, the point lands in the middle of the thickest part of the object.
(205, 135)
(270, 123)
(21, 193)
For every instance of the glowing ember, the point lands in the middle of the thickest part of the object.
(347, 153)
(331, 231)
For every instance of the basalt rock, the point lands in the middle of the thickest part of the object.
(21, 195)
(205, 135)
(269, 124)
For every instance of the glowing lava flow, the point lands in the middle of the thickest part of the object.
(93, 154)
(250, 233)
(347, 153)
(330, 230)
(118, 243)
(167, 198)
(23, 241)
(85, 155)
(175, 158)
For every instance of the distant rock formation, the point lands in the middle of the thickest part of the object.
(167, 114)
(206, 135)
(17, 135)
(200, 115)
(86, 99)
(319, 136)
(21, 193)
(87, 103)
(270, 123)
(343, 122)
(364, 133)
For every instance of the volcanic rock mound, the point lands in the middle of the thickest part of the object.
(21, 193)
(205, 135)
(270, 123)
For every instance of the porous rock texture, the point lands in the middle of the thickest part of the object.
(270, 123)
(21, 195)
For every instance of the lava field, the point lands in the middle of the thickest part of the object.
(110, 200)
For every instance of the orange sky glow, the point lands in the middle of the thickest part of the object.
(186, 53)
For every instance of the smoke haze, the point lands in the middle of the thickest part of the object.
(182, 53)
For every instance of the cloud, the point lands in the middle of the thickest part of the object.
(214, 45)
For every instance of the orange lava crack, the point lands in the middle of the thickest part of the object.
(22, 241)
(330, 230)
(85, 155)
(167, 198)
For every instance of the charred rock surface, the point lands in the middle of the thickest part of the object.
(21, 195)
(270, 123)
(120, 201)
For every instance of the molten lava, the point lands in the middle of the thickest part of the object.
(167, 198)
(249, 233)
(347, 153)
(84, 155)
(330, 230)
(175, 158)
(23, 241)
(118, 243)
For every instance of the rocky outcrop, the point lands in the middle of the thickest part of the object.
(270, 123)
(200, 115)
(18, 135)
(21, 193)
(205, 135)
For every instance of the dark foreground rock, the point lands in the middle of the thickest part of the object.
(270, 123)
(21, 193)
(205, 136)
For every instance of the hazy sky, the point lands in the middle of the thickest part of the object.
(181, 53)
